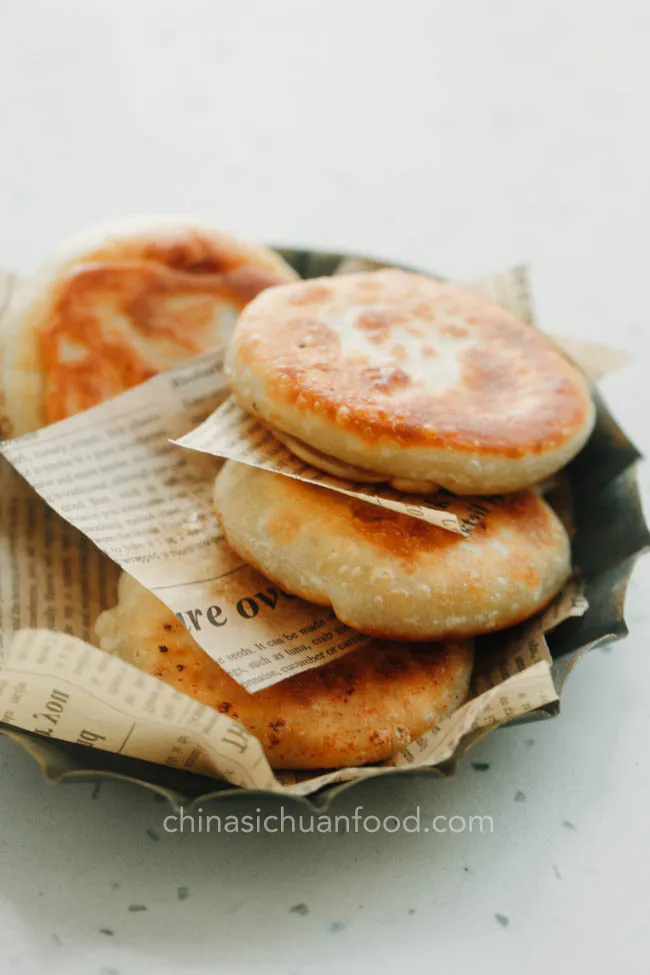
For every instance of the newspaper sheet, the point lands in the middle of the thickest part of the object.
(119, 494)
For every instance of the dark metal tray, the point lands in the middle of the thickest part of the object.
(610, 535)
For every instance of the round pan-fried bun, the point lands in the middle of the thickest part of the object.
(360, 708)
(391, 575)
(422, 382)
(120, 304)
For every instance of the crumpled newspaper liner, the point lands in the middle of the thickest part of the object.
(602, 481)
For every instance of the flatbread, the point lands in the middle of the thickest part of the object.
(119, 305)
(391, 575)
(357, 709)
(421, 382)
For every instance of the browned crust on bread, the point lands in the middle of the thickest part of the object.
(517, 394)
(165, 288)
(391, 575)
(358, 709)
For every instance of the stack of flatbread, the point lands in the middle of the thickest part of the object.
(378, 377)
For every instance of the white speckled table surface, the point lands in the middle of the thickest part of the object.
(464, 137)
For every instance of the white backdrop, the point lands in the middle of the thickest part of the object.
(460, 136)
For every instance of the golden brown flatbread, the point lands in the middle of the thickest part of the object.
(358, 709)
(121, 304)
(422, 382)
(391, 575)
